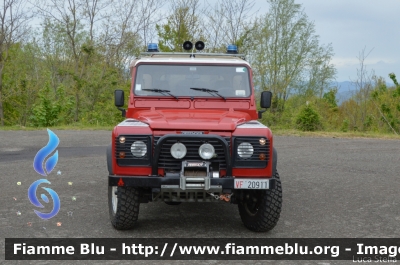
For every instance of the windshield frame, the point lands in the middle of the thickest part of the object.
(199, 95)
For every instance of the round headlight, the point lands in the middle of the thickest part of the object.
(178, 150)
(206, 151)
(245, 150)
(138, 149)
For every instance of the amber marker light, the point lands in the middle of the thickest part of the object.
(262, 156)
(263, 141)
(122, 139)
(121, 154)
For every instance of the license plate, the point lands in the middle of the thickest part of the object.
(195, 164)
(252, 184)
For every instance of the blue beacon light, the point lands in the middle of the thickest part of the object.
(232, 49)
(152, 47)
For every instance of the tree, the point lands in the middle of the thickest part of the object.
(330, 97)
(21, 80)
(286, 48)
(387, 102)
(364, 87)
(93, 12)
(228, 22)
(320, 72)
(182, 24)
(308, 119)
(63, 20)
(13, 28)
(128, 29)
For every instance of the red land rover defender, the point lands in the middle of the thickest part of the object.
(191, 135)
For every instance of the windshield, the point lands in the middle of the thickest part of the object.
(179, 80)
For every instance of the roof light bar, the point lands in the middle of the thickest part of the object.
(231, 51)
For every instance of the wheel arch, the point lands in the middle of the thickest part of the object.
(109, 159)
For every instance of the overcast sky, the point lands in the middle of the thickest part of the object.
(351, 25)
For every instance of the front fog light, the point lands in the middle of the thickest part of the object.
(178, 150)
(138, 149)
(206, 151)
(245, 150)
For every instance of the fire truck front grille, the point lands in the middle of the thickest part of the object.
(167, 162)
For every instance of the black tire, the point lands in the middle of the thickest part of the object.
(124, 211)
(262, 214)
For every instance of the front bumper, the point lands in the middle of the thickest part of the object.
(159, 182)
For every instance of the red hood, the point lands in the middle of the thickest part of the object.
(220, 120)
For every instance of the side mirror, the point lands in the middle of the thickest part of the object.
(265, 102)
(266, 97)
(119, 101)
(119, 98)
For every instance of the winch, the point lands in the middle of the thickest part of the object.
(195, 175)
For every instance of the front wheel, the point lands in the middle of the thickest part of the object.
(123, 204)
(260, 209)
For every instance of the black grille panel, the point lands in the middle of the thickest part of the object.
(253, 161)
(129, 158)
(169, 163)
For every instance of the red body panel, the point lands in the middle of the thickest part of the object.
(188, 119)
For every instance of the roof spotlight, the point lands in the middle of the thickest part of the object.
(187, 45)
(199, 45)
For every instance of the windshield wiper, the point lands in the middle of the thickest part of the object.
(162, 91)
(209, 91)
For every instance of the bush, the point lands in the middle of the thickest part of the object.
(51, 108)
(345, 125)
(308, 119)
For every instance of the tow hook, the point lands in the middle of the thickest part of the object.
(225, 197)
(222, 197)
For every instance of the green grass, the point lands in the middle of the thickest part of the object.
(62, 127)
(333, 134)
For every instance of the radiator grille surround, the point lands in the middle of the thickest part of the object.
(192, 142)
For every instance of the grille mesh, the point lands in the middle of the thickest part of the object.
(169, 163)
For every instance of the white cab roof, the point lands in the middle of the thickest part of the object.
(199, 59)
